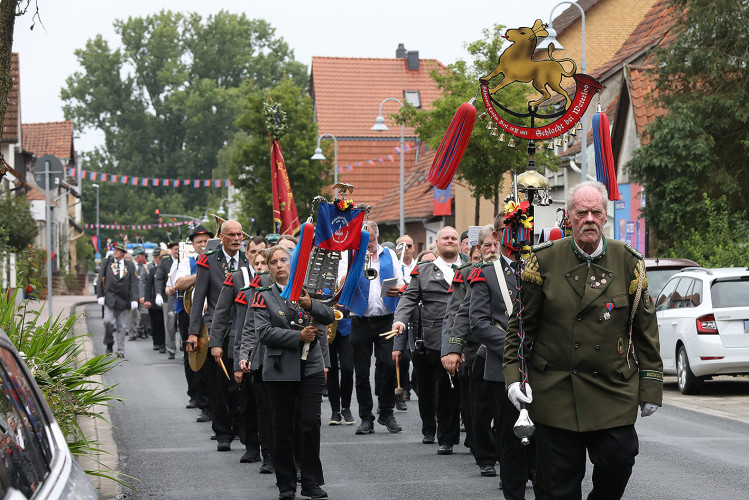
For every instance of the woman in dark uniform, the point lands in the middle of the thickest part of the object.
(295, 385)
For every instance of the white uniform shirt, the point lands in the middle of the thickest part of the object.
(375, 307)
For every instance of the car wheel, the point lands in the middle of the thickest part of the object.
(688, 383)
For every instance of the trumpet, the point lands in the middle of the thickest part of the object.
(369, 272)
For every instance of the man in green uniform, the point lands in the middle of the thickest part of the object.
(591, 344)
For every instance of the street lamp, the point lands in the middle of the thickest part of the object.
(551, 38)
(319, 156)
(221, 210)
(380, 126)
(98, 240)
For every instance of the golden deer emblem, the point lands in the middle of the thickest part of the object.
(516, 65)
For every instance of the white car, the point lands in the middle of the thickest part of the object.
(703, 320)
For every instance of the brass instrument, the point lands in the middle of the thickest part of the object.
(369, 272)
(333, 327)
(400, 252)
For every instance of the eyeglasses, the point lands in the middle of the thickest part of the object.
(233, 235)
(409, 245)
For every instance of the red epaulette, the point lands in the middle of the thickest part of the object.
(403, 289)
(229, 281)
(255, 283)
(476, 275)
(458, 278)
(259, 302)
(241, 298)
(415, 272)
(450, 290)
(203, 261)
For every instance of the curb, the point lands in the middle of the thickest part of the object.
(100, 430)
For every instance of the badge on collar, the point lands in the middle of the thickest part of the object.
(438, 276)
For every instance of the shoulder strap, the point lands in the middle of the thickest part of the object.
(245, 276)
(503, 285)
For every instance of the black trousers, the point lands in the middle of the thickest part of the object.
(517, 462)
(197, 382)
(341, 362)
(157, 326)
(484, 445)
(365, 339)
(248, 431)
(561, 455)
(287, 400)
(224, 394)
(264, 417)
(438, 401)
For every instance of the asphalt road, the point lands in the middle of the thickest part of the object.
(683, 453)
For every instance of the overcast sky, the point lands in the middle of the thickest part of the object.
(438, 29)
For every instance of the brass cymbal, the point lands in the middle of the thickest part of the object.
(196, 359)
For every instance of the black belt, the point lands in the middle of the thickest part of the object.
(375, 318)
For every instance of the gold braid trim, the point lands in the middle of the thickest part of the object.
(639, 271)
(530, 271)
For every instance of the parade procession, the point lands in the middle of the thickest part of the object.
(508, 281)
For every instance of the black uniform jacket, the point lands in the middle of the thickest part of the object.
(488, 313)
(212, 271)
(429, 288)
(273, 317)
(456, 330)
(582, 371)
(149, 294)
(248, 343)
(231, 309)
(118, 292)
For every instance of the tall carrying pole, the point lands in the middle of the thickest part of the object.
(48, 226)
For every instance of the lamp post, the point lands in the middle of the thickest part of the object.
(551, 38)
(380, 126)
(319, 156)
(98, 240)
(221, 210)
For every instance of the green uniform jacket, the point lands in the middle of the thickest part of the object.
(576, 321)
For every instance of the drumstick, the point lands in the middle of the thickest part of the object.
(391, 333)
(398, 390)
(221, 362)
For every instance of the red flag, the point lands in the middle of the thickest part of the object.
(284, 208)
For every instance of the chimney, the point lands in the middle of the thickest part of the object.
(413, 60)
(400, 52)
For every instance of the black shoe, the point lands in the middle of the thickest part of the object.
(428, 440)
(287, 495)
(500, 484)
(162, 349)
(214, 437)
(191, 404)
(488, 471)
(120, 354)
(445, 449)
(203, 416)
(156, 348)
(132, 338)
(223, 446)
(250, 456)
(406, 395)
(109, 347)
(348, 418)
(267, 467)
(335, 419)
(325, 391)
(400, 405)
(390, 422)
(170, 355)
(366, 427)
(313, 491)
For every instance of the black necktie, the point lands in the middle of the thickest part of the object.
(231, 264)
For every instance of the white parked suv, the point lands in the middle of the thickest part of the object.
(703, 320)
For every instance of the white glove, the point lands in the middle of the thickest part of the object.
(100, 301)
(647, 409)
(516, 396)
(159, 300)
(134, 304)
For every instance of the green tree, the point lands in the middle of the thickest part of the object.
(486, 158)
(167, 101)
(701, 146)
(17, 227)
(247, 156)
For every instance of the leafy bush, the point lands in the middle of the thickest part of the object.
(53, 353)
(16, 223)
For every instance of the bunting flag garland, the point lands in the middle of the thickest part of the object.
(349, 167)
(136, 227)
(147, 181)
(605, 168)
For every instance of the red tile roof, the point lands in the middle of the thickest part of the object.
(370, 181)
(643, 91)
(653, 30)
(12, 124)
(417, 198)
(50, 138)
(35, 195)
(347, 92)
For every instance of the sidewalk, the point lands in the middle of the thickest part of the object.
(96, 428)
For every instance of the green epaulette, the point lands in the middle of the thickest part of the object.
(484, 263)
(211, 252)
(541, 246)
(263, 288)
(468, 264)
(633, 251)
